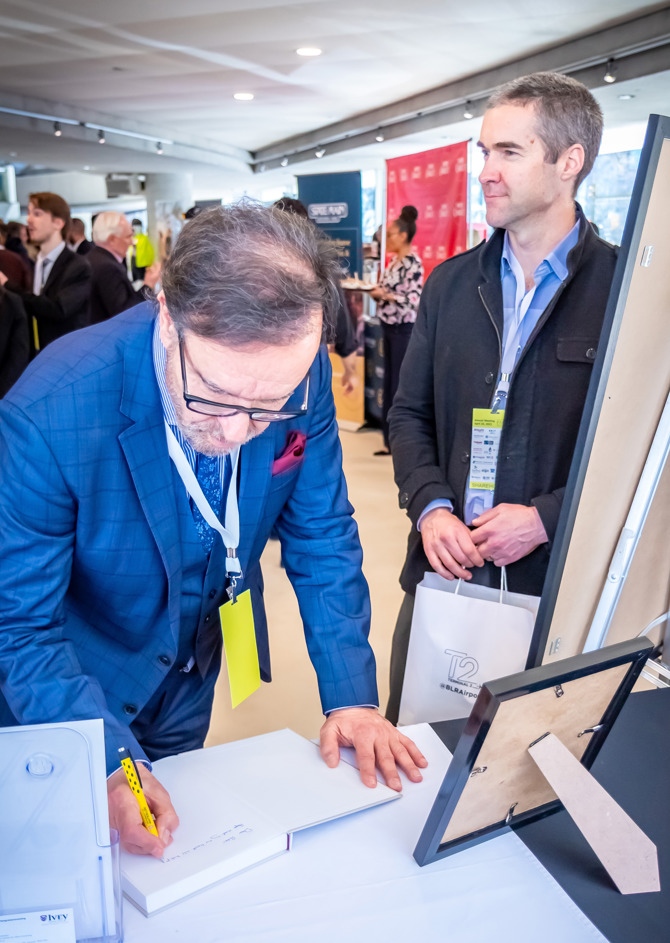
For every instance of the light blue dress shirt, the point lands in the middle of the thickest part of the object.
(521, 312)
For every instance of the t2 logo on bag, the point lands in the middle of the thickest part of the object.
(461, 667)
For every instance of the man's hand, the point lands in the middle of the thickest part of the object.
(377, 743)
(124, 814)
(508, 532)
(3, 279)
(448, 544)
(152, 275)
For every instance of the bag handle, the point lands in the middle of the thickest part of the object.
(503, 584)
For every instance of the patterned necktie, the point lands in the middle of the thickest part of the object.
(210, 482)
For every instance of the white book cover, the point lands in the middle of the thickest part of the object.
(237, 804)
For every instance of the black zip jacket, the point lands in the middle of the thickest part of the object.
(451, 367)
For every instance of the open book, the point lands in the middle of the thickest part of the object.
(238, 804)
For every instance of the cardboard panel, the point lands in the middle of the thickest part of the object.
(636, 391)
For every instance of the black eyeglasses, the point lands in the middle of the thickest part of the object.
(207, 407)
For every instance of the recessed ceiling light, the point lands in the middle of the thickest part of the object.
(309, 51)
(625, 98)
(243, 96)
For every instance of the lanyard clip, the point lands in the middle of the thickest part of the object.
(235, 578)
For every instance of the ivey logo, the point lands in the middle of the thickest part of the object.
(49, 917)
(328, 212)
(462, 667)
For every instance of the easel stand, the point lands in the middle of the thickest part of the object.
(630, 535)
(628, 856)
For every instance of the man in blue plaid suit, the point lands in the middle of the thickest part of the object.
(111, 581)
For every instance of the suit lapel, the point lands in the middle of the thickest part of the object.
(255, 475)
(56, 270)
(146, 453)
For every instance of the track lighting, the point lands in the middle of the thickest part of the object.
(379, 137)
(159, 148)
(284, 162)
(57, 129)
(101, 137)
(468, 112)
(610, 72)
(319, 152)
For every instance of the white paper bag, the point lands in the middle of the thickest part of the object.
(462, 636)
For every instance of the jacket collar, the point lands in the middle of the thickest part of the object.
(489, 260)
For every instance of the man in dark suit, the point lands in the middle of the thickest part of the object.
(114, 580)
(76, 237)
(58, 303)
(493, 386)
(111, 290)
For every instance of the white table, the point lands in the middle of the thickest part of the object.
(356, 880)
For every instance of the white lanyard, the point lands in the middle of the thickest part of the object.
(513, 341)
(230, 534)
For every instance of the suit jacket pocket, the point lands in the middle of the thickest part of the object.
(577, 349)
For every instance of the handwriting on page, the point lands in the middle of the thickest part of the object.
(228, 835)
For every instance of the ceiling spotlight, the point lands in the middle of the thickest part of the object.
(284, 162)
(159, 148)
(610, 73)
(57, 130)
(319, 152)
(625, 98)
(101, 137)
(468, 112)
(379, 137)
(262, 168)
(309, 51)
(243, 96)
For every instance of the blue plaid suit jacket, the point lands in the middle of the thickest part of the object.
(90, 579)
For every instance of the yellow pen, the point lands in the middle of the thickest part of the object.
(135, 783)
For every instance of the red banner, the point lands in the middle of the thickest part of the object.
(436, 182)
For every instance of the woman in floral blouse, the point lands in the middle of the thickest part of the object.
(397, 298)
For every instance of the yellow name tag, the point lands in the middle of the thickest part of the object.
(239, 642)
(486, 432)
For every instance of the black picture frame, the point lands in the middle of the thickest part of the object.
(658, 131)
(631, 655)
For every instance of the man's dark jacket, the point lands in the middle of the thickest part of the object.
(84, 247)
(63, 304)
(111, 290)
(451, 367)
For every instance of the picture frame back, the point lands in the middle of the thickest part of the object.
(492, 781)
(627, 394)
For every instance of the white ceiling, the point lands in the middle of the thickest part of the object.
(172, 68)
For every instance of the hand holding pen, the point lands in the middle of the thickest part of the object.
(145, 818)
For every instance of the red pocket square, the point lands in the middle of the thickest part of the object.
(292, 454)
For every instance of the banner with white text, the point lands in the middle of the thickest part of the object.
(436, 182)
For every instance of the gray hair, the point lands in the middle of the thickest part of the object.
(107, 224)
(244, 273)
(567, 114)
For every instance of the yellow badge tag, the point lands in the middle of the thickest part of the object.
(239, 642)
(486, 432)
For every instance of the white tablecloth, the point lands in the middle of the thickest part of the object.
(356, 880)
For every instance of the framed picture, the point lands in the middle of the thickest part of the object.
(492, 781)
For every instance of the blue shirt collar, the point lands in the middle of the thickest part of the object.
(556, 260)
